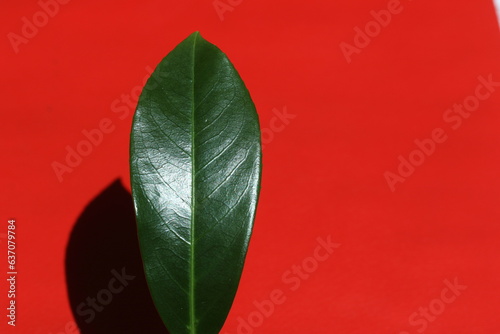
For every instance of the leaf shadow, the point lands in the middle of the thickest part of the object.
(105, 279)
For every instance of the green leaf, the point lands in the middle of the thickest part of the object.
(195, 169)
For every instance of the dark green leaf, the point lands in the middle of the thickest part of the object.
(195, 166)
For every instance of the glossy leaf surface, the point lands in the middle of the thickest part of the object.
(195, 170)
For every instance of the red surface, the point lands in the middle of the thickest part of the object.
(323, 171)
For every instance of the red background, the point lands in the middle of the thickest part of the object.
(323, 172)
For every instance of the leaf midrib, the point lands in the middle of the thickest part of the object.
(192, 311)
